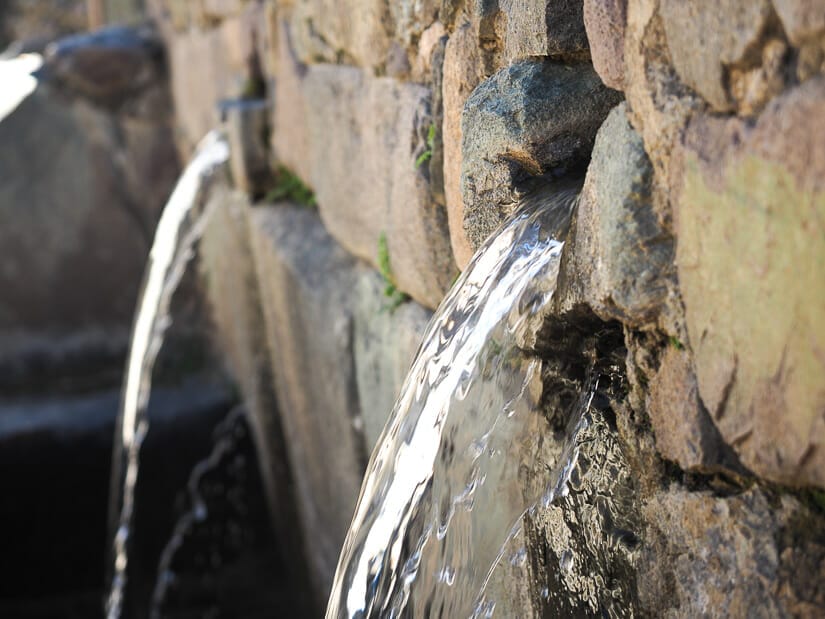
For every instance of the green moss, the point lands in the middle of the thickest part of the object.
(290, 188)
(395, 296)
(674, 341)
(428, 153)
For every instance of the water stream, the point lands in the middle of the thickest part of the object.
(181, 225)
(17, 80)
(444, 490)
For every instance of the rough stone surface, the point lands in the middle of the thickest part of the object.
(385, 342)
(463, 71)
(108, 66)
(543, 28)
(659, 104)
(231, 287)
(352, 31)
(290, 133)
(619, 255)
(209, 62)
(605, 23)
(750, 199)
(685, 433)
(247, 130)
(307, 282)
(734, 555)
(526, 121)
(707, 38)
(40, 21)
(365, 136)
(357, 32)
(78, 217)
(803, 20)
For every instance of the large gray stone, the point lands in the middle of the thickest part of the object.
(78, 218)
(365, 135)
(386, 340)
(108, 66)
(307, 283)
(619, 254)
(525, 121)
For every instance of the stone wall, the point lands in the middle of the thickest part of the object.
(698, 244)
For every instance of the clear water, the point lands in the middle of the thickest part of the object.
(179, 228)
(445, 489)
(17, 81)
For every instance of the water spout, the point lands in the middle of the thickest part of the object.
(442, 489)
(179, 228)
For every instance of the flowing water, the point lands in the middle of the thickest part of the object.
(444, 487)
(179, 228)
(17, 80)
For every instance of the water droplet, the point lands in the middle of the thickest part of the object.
(519, 558)
(447, 575)
(566, 561)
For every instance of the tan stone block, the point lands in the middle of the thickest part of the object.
(365, 135)
(707, 37)
(290, 134)
(803, 20)
(605, 22)
(463, 71)
(750, 203)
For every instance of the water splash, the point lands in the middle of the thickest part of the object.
(444, 481)
(179, 228)
(17, 80)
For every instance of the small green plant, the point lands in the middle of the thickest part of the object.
(427, 154)
(391, 291)
(674, 341)
(289, 187)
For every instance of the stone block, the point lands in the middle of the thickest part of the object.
(463, 71)
(386, 341)
(368, 34)
(354, 31)
(742, 555)
(247, 129)
(79, 218)
(750, 199)
(618, 255)
(707, 38)
(552, 28)
(526, 121)
(211, 64)
(605, 21)
(290, 132)
(685, 433)
(365, 136)
(307, 282)
(803, 20)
